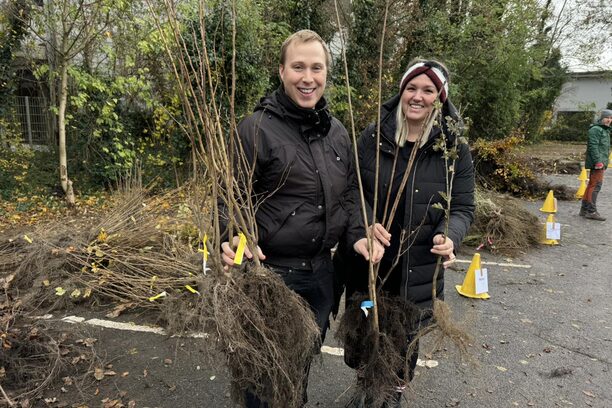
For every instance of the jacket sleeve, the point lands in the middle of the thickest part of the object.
(462, 202)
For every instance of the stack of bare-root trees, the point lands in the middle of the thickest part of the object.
(265, 331)
(380, 335)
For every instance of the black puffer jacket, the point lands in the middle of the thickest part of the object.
(304, 179)
(413, 275)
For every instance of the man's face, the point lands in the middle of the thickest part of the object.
(304, 73)
(607, 121)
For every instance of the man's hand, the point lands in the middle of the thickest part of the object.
(361, 247)
(599, 166)
(228, 254)
(444, 247)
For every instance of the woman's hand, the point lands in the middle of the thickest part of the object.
(361, 247)
(228, 254)
(381, 234)
(444, 247)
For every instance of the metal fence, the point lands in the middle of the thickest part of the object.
(33, 117)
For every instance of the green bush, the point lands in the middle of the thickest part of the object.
(570, 126)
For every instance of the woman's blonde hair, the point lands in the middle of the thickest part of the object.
(401, 128)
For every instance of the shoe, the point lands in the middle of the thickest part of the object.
(582, 212)
(594, 216)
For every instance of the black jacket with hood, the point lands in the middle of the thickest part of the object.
(303, 179)
(412, 276)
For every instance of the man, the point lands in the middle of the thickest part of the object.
(597, 157)
(303, 176)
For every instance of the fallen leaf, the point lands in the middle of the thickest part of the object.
(120, 308)
(110, 373)
(112, 404)
(99, 374)
(168, 361)
(145, 372)
(212, 378)
(502, 369)
(2, 373)
(4, 282)
(132, 404)
(454, 402)
(125, 373)
(59, 291)
(67, 380)
(588, 394)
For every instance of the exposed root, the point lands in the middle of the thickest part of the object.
(444, 329)
(379, 360)
(268, 334)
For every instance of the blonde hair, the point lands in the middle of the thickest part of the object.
(401, 128)
(304, 36)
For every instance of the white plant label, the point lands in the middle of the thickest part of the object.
(482, 282)
(553, 230)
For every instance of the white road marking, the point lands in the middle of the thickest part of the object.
(510, 265)
(109, 324)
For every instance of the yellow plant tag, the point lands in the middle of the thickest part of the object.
(240, 249)
(28, 239)
(205, 249)
(192, 290)
(153, 280)
(161, 295)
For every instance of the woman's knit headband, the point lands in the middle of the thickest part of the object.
(435, 74)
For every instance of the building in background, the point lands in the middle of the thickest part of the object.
(585, 92)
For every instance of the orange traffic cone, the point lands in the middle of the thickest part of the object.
(583, 175)
(470, 287)
(581, 189)
(550, 221)
(550, 204)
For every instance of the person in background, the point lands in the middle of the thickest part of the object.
(597, 157)
(302, 164)
(416, 237)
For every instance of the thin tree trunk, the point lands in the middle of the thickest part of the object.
(63, 98)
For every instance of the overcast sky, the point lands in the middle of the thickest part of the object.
(585, 49)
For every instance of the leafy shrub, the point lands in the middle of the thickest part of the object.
(570, 126)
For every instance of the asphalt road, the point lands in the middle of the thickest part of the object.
(544, 339)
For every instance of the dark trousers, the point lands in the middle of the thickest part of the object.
(316, 288)
(589, 200)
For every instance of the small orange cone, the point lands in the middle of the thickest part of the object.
(581, 189)
(545, 240)
(468, 289)
(550, 204)
(583, 175)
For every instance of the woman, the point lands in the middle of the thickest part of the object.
(303, 178)
(417, 235)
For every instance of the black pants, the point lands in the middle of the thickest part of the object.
(316, 288)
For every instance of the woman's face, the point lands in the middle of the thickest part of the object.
(418, 99)
(304, 73)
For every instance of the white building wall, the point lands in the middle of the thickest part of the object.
(579, 93)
